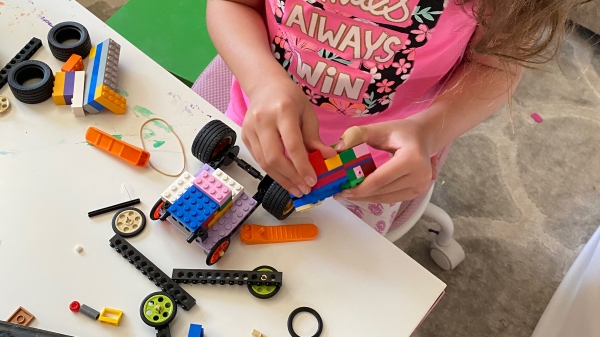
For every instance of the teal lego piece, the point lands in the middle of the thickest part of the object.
(193, 208)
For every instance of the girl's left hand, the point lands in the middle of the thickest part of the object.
(407, 174)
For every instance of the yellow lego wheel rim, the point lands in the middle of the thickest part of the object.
(4, 104)
(128, 221)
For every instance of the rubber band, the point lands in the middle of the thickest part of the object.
(174, 134)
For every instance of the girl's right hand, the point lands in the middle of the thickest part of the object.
(280, 120)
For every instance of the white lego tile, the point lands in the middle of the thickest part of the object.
(78, 90)
(185, 181)
(236, 188)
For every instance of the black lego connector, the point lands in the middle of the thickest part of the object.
(198, 233)
(163, 332)
(160, 279)
(114, 207)
(24, 54)
(248, 168)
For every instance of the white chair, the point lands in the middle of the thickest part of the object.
(214, 85)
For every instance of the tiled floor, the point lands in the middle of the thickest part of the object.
(524, 196)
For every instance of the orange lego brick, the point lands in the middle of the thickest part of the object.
(257, 234)
(129, 153)
(110, 99)
(21, 317)
(74, 63)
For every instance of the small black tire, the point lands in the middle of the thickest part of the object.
(172, 309)
(27, 70)
(277, 202)
(217, 251)
(270, 291)
(65, 31)
(211, 139)
(155, 211)
(129, 222)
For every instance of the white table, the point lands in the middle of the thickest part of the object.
(361, 284)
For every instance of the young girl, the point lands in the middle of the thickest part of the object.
(412, 74)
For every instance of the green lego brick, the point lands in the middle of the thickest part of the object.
(352, 183)
(351, 175)
(347, 156)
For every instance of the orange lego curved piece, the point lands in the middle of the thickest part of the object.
(129, 153)
(252, 234)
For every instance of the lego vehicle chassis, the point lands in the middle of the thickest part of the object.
(215, 146)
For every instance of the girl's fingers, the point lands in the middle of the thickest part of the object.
(294, 145)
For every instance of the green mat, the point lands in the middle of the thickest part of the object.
(173, 33)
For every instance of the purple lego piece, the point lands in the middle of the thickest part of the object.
(229, 221)
(193, 208)
(69, 87)
(205, 167)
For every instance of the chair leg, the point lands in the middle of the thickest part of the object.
(445, 251)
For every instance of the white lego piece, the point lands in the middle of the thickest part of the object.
(236, 188)
(78, 249)
(78, 89)
(185, 181)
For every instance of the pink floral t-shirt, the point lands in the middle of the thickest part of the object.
(364, 61)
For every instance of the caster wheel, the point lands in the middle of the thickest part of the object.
(447, 257)
(211, 140)
(158, 309)
(264, 292)
(277, 202)
(218, 250)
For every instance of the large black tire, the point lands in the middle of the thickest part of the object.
(277, 201)
(211, 139)
(69, 31)
(28, 70)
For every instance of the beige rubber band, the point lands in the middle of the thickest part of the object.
(174, 134)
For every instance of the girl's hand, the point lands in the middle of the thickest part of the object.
(407, 174)
(281, 120)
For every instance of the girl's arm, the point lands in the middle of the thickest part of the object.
(280, 118)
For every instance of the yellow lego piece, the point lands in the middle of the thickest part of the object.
(58, 93)
(219, 213)
(109, 99)
(333, 162)
(110, 316)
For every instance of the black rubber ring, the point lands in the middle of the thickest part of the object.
(304, 309)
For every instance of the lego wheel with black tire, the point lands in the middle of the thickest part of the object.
(69, 31)
(158, 309)
(211, 140)
(277, 202)
(155, 211)
(218, 250)
(260, 291)
(129, 222)
(31, 70)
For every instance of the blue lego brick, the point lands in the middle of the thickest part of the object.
(196, 330)
(320, 194)
(193, 208)
(92, 77)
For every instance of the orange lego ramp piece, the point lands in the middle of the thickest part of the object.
(256, 234)
(129, 153)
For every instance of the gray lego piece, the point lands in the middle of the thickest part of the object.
(89, 312)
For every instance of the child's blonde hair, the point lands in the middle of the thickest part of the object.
(525, 32)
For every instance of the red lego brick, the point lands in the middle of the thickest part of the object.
(317, 162)
(330, 178)
(368, 167)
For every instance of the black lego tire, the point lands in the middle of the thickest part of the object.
(155, 210)
(216, 249)
(209, 138)
(131, 233)
(264, 296)
(68, 31)
(27, 70)
(276, 201)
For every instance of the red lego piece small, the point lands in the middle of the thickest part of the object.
(317, 162)
(74, 306)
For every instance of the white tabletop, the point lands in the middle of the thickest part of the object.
(361, 284)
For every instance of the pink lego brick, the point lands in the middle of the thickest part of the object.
(213, 188)
(229, 221)
(359, 172)
(361, 150)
